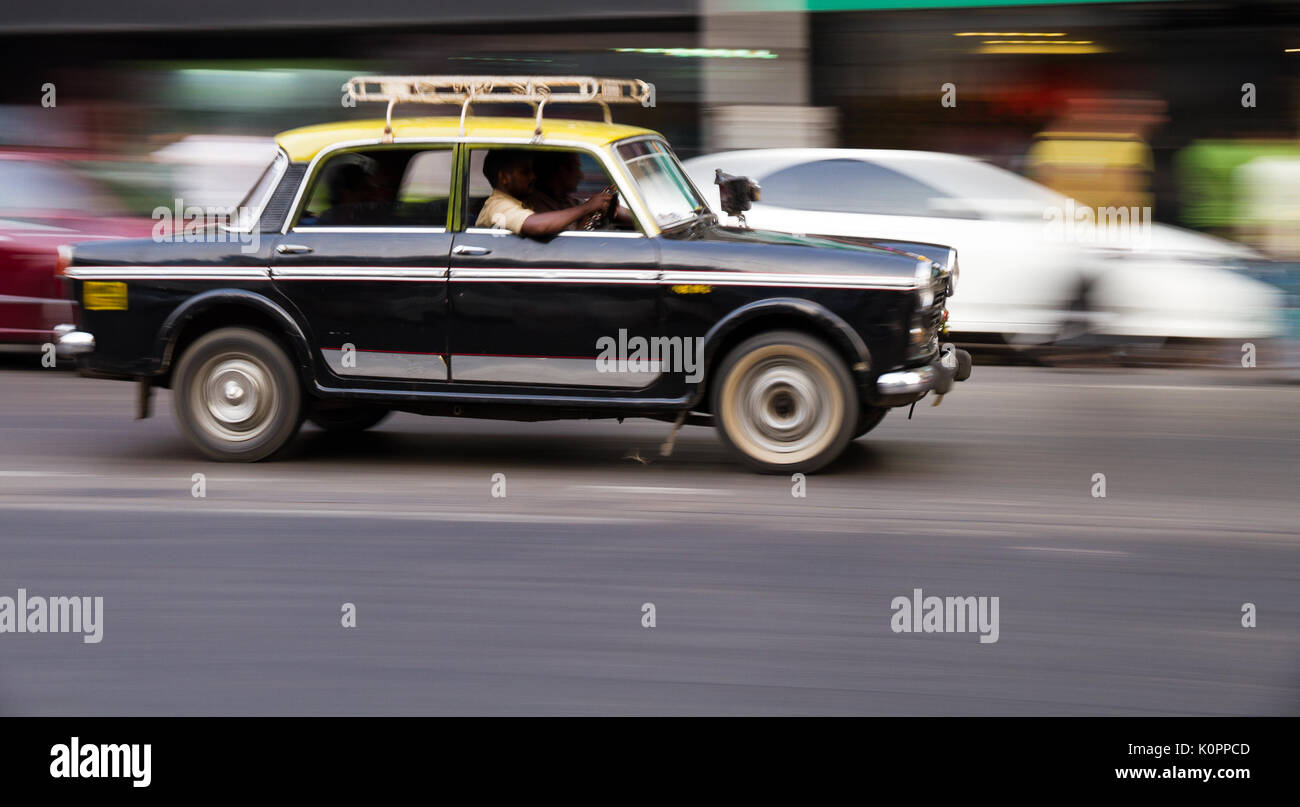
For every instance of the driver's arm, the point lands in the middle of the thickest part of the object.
(540, 225)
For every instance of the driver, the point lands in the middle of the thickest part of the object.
(510, 172)
(556, 186)
(559, 173)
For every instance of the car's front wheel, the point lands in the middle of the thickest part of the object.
(236, 395)
(785, 402)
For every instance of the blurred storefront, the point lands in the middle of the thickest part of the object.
(1007, 83)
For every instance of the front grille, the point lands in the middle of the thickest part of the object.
(936, 310)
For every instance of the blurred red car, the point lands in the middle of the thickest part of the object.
(44, 203)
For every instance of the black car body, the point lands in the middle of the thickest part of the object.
(417, 310)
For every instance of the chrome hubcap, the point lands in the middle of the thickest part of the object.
(236, 394)
(783, 406)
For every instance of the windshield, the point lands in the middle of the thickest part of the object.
(663, 185)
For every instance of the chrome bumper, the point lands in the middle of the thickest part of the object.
(72, 342)
(901, 387)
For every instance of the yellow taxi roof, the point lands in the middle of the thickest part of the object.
(305, 143)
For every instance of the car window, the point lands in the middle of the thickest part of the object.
(591, 179)
(387, 187)
(849, 186)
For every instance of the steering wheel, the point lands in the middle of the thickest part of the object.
(604, 219)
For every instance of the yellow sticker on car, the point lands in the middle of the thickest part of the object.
(103, 295)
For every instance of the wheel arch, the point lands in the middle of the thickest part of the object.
(229, 307)
(778, 313)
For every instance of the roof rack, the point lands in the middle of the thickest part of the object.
(536, 91)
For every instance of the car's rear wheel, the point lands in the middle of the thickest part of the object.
(236, 395)
(352, 419)
(868, 419)
(784, 402)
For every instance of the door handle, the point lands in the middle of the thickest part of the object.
(464, 250)
(292, 249)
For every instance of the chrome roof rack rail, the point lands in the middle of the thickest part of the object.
(536, 91)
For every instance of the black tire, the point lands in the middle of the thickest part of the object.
(236, 395)
(784, 402)
(868, 419)
(350, 420)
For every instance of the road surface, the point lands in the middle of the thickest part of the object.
(764, 602)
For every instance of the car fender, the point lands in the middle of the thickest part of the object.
(826, 322)
(174, 325)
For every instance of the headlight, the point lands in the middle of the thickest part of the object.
(926, 271)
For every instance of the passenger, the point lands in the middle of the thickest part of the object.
(354, 196)
(510, 172)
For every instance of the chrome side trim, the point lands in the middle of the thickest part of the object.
(169, 272)
(379, 364)
(358, 272)
(522, 275)
(309, 228)
(546, 370)
(496, 231)
(799, 280)
(599, 234)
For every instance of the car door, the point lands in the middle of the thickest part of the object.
(528, 312)
(372, 287)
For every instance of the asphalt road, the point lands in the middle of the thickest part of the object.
(764, 602)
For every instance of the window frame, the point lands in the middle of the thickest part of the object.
(318, 164)
(600, 155)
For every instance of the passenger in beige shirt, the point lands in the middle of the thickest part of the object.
(510, 172)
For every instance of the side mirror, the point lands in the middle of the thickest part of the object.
(736, 194)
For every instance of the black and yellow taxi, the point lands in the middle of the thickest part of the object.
(356, 280)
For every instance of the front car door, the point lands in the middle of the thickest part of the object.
(531, 313)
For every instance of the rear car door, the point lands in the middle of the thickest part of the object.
(365, 261)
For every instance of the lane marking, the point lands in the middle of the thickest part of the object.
(1157, 387)
(646, 489)
(417, 515)
(1110, 552)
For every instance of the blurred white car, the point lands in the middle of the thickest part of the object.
(1032, 271)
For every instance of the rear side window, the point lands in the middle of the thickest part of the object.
(382, 187)
(849, 186)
